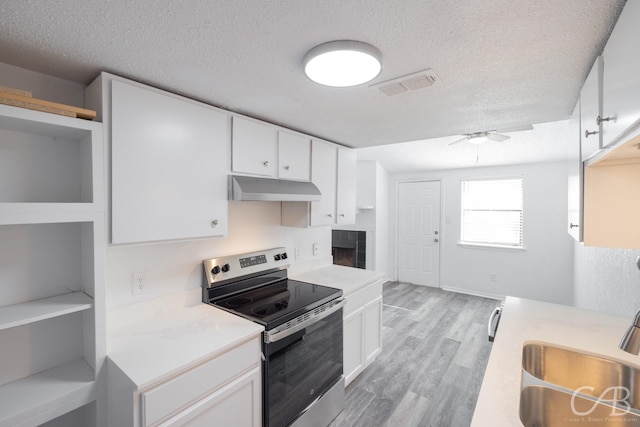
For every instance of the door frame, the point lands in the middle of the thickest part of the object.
(396, 225)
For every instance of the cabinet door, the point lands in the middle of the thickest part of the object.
(372, 330)
(346, 188)
(170, 159)
(591, 108)
(294, 157)
(621, 86)
(353, 344)
(254, 147)
(323, 175)
(238, 404)
(575, 178)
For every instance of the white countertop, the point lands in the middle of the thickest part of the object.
(170, 340)
(348, 279)
(526, 320)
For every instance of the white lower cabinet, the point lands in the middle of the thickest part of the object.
(372, 330)
(353, 344)
(224, 390)
(362, 329)
(236, 404)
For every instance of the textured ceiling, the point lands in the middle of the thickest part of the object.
(500, 63)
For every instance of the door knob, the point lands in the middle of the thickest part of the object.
(587, 133)
(435, 240)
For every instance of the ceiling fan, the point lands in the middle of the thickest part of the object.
(489, 135)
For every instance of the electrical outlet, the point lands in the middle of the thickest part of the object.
(315, 249)
(139, 283)
(296, 253)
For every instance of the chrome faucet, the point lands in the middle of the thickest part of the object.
(631, 340)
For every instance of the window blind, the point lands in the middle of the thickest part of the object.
(492, 212)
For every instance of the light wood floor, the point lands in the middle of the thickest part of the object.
(434, 355)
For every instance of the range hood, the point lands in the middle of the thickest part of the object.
(271, 190)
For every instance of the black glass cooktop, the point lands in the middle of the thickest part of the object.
(279, 302)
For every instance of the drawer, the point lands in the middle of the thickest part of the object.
(172, 395)
(363, 296)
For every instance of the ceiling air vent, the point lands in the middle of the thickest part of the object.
(408, 83)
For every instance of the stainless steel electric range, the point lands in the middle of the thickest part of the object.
(302, 369)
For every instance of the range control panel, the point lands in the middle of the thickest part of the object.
(253, 260)
(235, 266)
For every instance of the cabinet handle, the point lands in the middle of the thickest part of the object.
(600, 120)
(265, 163)
(342, 215)
(436, 240)
(330, 215)
(572, 225)
(587, 133)
(287, 167)
(214, 223)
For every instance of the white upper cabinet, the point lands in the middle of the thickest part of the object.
(575, 177)
(294, 157)
(591, 109)
(323, 175)
(346, 187)
(621, 82)
(170, 161)
(333, 171)
(255, 147)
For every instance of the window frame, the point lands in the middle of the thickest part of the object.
(493, 245)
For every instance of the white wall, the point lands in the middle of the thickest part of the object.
(382, 222)
(42, 86)
(606, 279)
(543, 271)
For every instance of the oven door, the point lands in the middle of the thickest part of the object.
(300, 368)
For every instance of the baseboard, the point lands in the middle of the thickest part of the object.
(474, 293)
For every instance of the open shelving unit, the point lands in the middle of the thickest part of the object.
(52, 321)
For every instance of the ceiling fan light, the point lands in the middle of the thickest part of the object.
(342, 63)
(480, 139)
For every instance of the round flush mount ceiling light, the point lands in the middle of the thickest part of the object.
(342, 63)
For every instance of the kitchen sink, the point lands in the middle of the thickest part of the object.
(564, 387)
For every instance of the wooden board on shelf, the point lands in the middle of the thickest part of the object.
(47, 106)
(15, 91)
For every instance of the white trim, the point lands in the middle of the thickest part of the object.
(474, 293)
(488, 246)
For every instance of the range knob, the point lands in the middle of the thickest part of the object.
(215, 270)
(225, 268)
(276, 257)
(283, 256)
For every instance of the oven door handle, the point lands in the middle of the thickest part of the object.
(277, 334)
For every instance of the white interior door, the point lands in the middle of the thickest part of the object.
(419, 233)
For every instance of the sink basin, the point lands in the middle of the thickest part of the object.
(562, 387)
(546, 407)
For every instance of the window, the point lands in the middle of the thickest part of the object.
(492, 212)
